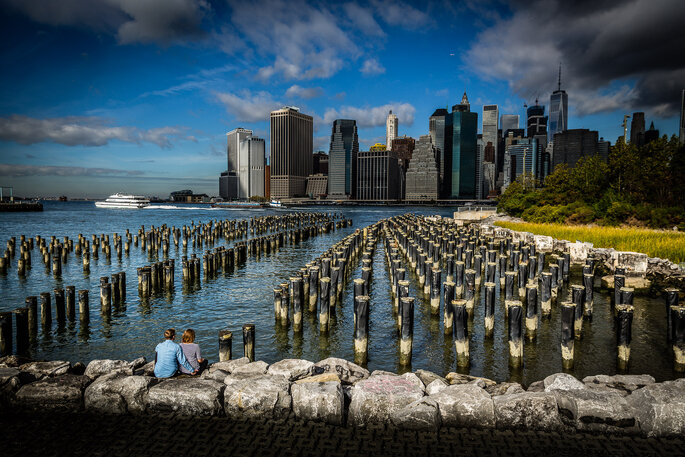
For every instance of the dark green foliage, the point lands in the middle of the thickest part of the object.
(638, 186)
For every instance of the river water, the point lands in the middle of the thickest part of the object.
(245, 295)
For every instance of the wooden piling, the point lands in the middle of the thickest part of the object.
(249, 341)
(225, 345)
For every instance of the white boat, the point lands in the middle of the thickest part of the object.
(276, 204)
(124, 201)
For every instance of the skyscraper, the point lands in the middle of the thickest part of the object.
(490, 118)
(437, 126)
(245, 175)
(558, 110)
(571, 145)
(537, 121)
(637, 129)
(379, 176)
(390, 129)
(291, 152)
(509, 122)
(422, 174)
(651, 134)
(343, 158)
(460, 165)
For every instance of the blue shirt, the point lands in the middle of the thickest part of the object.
(169, 357)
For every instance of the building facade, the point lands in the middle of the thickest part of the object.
(244, 177)
(317, 185)
(320, 163)
(440, 128)
(342, 158)
(391, 128)
(490, 135)
(537, 121)
(522, 156)
(422, 178)
(637, 129)
(379, 176)
(291, 152)
(461, 180)
(571, 145)
(558, 110)
(403, 147)
(509, 122)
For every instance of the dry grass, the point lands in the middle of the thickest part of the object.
(655, 243)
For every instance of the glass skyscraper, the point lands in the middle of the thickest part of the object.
(437, 128)
(463, 160)
(558, 112)
(342, 164)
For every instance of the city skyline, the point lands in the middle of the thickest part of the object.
(113, 97)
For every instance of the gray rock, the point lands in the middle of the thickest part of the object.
(257, 396)
(7, 373)
(411, 377)
(101, 367)
(318, 401)
(77, 368)
(383, 372)
(660, 408)
(562, 381)
(465, 405)
(116, 393)
(63, 393)
(138, 363)
(593, 410)
(229, 365)
(256, 368)
(537, 386)
(13, 361)
(621, 383)
(187, 396)
(348, 372)
(422, 414)
(42, 369)
(292, 369)
(376, 398)
(457, 378)
(435, 387)
(428, 377)
(146, 370)
(216, 375)
(505, 388)
(528, 410)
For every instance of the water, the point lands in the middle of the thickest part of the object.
(245, 295)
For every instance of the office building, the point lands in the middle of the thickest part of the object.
(461, 165)
(232, 183)
(320, 163)
(342, 158)
(317, 185)
(224, 184)
(571, 145)
(403, 147)
(489, 177)
(558, 110)
(379, 176)
(522, 156)
(509, 121)
(441, 136)
(637, 129)
(246, 159)
(267, 180)
(651, 134)
(490, 129)
(537, 121)
(602, 148)
(390, 129)
(422, 178)
(291, 152)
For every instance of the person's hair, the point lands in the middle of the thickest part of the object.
(169, 333)
(188, 336)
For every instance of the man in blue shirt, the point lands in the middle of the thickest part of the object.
(169, 355)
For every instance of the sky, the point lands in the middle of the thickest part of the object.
(101, 96)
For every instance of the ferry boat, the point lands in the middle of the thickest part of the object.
(276, 204)
(119, 200)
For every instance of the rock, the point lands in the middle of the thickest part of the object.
(189, 396)
(7, 373)
(42, 369)
(229, 365)
(101, 367)
(63, 393)
(326, 377)
(257, 396)
(456, 378)
(77, 368)
(318, 401)
(292, 369)
(216, 375)
(116, 393)
(562, 381)
(383, 372)
(10, 382)
(597, 411)
(146, 370)
(13, 361)
(435, 387)
(376, 398)
(528, 410)
(411, 377)
(258, 367)
(622, 383)
(660, 408)
(428, 377)
(505, 388)
(422, 414)
(465, 405)
(537, 386)
(138, 363)
(348, 372)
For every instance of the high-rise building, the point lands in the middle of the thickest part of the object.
(558, 110)
(246, 159)
(232, 184)
(254, 150)
(422, 174)
(437, 126)
(522, 156)
(651, 134)
(637, 129)
(490, 128)
(460, 166)
(571, 145)
(509, 121)
(291, 152)
(379, 176)
(682, 117)
(390, 129)
(320, 163)
(317, 185)
(403, 147)
(267, 180)
(537, 121)
(342, 165)
(489, 178)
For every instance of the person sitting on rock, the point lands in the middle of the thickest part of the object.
(168, 357)
(192, 352)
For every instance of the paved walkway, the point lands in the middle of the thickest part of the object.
(110, 436)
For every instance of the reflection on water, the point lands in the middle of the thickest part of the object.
(245, 294)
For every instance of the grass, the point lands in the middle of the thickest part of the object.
(654, 243)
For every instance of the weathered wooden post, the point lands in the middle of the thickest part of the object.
(531, 310)
(678, 336)
(83, 307)
(5, 333)
(588, 283)
(406, 330)
(489, 309)
(249, 341)
(470, 288)
(435, 290)
(296, 292)
(624, 320)
(578, 298)
(568, 316)
(45, 311)
(515, 334)
(313, 288)
(461, 332)
(21, 322)
(324, 307)
(546, 293)
(448, 316)
(225, 345)
(32, 306)
(361, 328)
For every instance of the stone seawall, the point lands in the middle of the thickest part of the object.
(338, 392)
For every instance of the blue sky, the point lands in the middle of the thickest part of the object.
(99, 96)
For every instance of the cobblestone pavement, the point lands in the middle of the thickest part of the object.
(43, 435)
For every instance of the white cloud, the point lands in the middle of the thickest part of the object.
(363, 20)
(372, 67)
(372, 116)
(246, 106)
(398, 13)
(296, 91)
(81, 131)
(50, 170)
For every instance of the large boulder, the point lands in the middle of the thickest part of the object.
(186, 396)
(528, 410)
(116, 393)
(505, 388)
(43, 369)
(348, 372)
(465, 405)
(101, 367)
(660, 408)
(256, 396)
(292, 369)
(595, 410)
(562, 381)
(319, 401)
(254, 368)
(228, 365)
(458, 378)
(428, 377)
(422, 414)
(376, 398)
(436, 386)
(621, 382)
(10, 382)
(64, 393)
